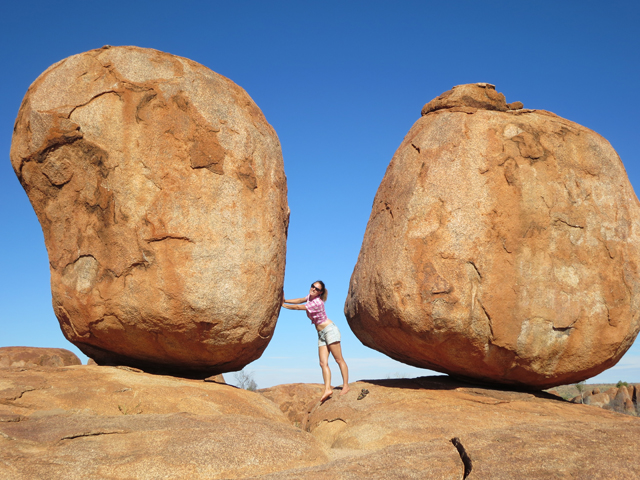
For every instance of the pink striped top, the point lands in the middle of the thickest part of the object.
(315, 310)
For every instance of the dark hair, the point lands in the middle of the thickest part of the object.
(325, 293)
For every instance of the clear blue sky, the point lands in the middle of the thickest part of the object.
(342, 83)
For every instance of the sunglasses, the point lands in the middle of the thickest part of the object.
(313, 287)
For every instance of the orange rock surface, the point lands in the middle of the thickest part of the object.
(108, 422)
(502, 246)
(113, 422)
(36, 356)
(295, 400)
(405, 428)
(161, 193)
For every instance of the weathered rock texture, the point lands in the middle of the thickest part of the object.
(405, 428)
(107, 422)
(161, 193)
(502, 246)
(295, 400)
(113, 422)
(36, 356)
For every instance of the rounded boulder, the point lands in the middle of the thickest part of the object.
(502, 247)
(160, 189)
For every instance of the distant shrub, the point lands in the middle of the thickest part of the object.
(245, 380)
(580, 386)
(621, 384)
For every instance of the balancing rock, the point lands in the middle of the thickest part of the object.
(502, 247)
(161, 193)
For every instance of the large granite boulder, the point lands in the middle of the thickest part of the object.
(161, 193)
(37, 357)
(502, 246)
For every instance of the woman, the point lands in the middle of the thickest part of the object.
(328, 334)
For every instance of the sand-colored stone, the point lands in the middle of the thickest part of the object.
(620, 399)
(177, 445)
(161, 193)
(433, 460)
(99, 390)
(296, 400)
(505, 434)
(114, 422)
(106, 422)
(502, 246)
(601, 400)
(621, 402)
(37, 356)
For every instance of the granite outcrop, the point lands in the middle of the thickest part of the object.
(439, 427)
(93, 421)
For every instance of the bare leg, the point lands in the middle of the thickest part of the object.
(323, 353)
(336, 351)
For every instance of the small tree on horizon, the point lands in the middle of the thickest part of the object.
(245, 381)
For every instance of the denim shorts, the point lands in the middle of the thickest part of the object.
(328, 335)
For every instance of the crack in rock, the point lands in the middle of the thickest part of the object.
(338, 419)
(15, 393)
(464, 456)
(91, 434)
(169, 237)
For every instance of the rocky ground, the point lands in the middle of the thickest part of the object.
(570, 391)
(620, 397)
(107, 422)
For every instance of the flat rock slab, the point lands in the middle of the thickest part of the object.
(100, 390)
(434, 460)
(151, 446)
(106, 422)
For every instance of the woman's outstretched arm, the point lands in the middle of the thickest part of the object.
(293, 307)
(296, 300)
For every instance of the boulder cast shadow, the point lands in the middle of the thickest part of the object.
(446, 382)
